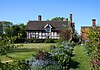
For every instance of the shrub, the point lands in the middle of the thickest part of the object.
(93, 47)
(62, 54)
(50, 40)
(21, 40)
(33, 40)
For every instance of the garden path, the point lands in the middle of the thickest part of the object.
(80, 60)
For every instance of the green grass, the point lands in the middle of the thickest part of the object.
(80, 60)
(26, 51)
(5, 59)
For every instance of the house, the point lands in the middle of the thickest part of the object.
(47, 29)
(86, 29)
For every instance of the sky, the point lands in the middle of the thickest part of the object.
(21, 11)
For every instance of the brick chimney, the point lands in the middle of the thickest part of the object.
(70, 18)
(93, 22)
(39, 18)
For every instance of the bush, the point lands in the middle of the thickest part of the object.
(93, 48)
(16, 65)
(32, 40)
(50, 40)
(61, 54)
(71, 44)
(3, 51)
(22, 40)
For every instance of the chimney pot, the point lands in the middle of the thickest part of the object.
(39, 18)
(93, 22)
(71, 18)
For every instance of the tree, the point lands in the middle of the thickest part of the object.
(22, 30)
(12, 31)
(58, 19)
(4, 25)
(68, 34)
(65, 34)
(15, 30)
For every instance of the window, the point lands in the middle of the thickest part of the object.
(48, 30)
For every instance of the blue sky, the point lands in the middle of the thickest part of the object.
(21, 11)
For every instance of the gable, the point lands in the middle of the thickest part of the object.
(47, 26)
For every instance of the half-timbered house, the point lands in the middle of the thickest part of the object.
(47, 29)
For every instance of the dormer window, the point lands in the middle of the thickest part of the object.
(48, 28)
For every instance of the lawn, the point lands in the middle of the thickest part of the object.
(26, 51)
(80, 60)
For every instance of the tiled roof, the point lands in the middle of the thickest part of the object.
(39, 25)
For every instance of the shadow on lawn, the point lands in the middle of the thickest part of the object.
(73, 64)
(24, 49)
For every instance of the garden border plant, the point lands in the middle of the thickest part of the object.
(6, 46)
(93, 48)
(58, 56)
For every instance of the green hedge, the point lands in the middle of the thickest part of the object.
(32, 40)
(22, 40)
